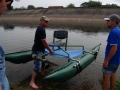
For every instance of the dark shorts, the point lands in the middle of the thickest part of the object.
(112, 68)
(38, 63)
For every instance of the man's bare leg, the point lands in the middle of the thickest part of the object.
(0, 87)
(106, 78)
(32, 82)
(112, 81)
(42, 70)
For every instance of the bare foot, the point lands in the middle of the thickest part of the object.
(33, 85)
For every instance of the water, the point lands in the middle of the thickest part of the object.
(20, 38)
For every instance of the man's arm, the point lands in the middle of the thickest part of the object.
(110, 55)
(47, 46)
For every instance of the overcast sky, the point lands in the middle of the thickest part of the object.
(46, 3)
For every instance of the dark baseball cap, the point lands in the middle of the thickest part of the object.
(113, 17)
(9, 2)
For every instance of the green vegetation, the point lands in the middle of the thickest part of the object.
(10, 8)
(110, 6)
(91, 4)
(21, 8)
(39, 7)
(30, 7)
(43, 85)
(71, 5)
(98, 4)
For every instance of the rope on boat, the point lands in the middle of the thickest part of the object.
(93, 53)
(77, 65)
(76, 61)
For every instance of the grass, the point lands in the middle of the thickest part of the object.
(117, 86)
(43, 85)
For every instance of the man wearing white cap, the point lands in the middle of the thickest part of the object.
(112, 53)
(4, 85)
(39, 46)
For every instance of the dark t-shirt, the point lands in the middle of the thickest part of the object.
(40, 34)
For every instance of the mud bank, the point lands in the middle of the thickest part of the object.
(62, 14)
(75, 18)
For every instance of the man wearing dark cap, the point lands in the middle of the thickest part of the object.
(112, 53)
(39, 46)
(4, 85)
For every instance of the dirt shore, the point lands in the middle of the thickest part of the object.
(61, 14)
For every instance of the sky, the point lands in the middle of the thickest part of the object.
(47, 3)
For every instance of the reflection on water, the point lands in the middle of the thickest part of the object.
(20, 37)
(8, 27)
(84, 26)
(71, 25)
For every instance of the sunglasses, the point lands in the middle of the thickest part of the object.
(46, 21)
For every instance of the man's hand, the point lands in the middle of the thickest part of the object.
(105, 64)
(52, 52)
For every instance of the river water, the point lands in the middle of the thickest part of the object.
(20, 38)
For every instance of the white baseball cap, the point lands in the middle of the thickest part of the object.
(45, 18)
(113, 17)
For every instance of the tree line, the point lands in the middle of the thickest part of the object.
(71, 5)
(94, 4)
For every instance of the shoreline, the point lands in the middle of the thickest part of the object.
(61, 19)
(60, 23)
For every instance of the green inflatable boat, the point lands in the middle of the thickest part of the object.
(65, 71)
(26, 56)
(19, 57)
(74, 66)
